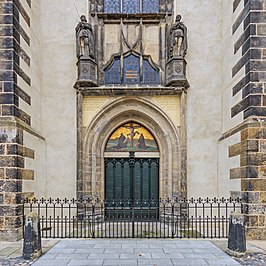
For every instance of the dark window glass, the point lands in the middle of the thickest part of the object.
(150, 75)
(131, 75)
(112, 74)
(150, 6)
(131, 6)
(112, 6)
(131, 70)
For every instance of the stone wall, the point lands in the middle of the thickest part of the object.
(14, 120)
(246, 124)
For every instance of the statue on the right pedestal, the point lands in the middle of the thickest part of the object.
(178, 39)
(176, 65)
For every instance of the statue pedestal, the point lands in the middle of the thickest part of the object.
(87, 72)
(176, 72)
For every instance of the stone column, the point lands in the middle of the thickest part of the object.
(79, 146)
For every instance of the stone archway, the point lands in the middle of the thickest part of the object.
(114, 114)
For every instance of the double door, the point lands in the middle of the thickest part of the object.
(131, 187)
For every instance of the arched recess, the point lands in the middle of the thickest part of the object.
(117, 113)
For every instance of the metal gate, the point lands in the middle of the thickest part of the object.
(177, 218)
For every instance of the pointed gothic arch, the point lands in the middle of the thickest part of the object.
(115, 114)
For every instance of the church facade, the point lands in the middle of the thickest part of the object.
(124, 99)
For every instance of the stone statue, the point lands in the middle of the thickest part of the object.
(85, 39)
(178, 39)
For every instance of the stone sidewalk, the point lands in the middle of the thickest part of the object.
(11, 252)
(135, 252)
(157, 252)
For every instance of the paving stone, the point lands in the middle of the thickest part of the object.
(147, 250)
(85, 262)
(189, 262)
(78, 246)
(165, 262)
(51, 262)
(120, 251)
(166, 256)
(8, 251)
(117, 262)
(103, 256)
(90, 251)
(179, 250)
(61, 250)
(71, 256)
(48, 256)
(170, 250)
(200, 256)
(203, 250)
(135, 245)
(107, 246)
(228, 261)
(136, 256)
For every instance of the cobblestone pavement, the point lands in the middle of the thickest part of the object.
(256, 252)
(256, 259)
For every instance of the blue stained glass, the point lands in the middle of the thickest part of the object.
(112, 75)
(150, 75)
(131, 70)
(131, 6)
(112, 6)
(131, 76)
(150, 6)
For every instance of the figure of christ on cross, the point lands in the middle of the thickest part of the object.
(132, 133)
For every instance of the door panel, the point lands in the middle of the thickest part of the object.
(131, 179)
(131, 189)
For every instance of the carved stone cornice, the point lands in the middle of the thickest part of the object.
(128, 90)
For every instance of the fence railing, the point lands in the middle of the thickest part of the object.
(178, 218)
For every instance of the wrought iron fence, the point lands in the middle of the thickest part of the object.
(179, 218)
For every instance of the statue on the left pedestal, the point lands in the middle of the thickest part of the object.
(178, 39)
(85, 39)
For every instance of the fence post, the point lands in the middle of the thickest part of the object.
(173, 221)
(236, 237)
(32, 247)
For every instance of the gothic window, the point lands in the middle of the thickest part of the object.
(150, 6)
(132, 73)
(112, 6)
(131, 6)
(150, 76)
(131, 70)
(112, 75)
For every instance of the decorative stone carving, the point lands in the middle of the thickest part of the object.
(87, 67)
(176, 72)
(85, 39)
(176, 65)
(87, 73)
(178, 39)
